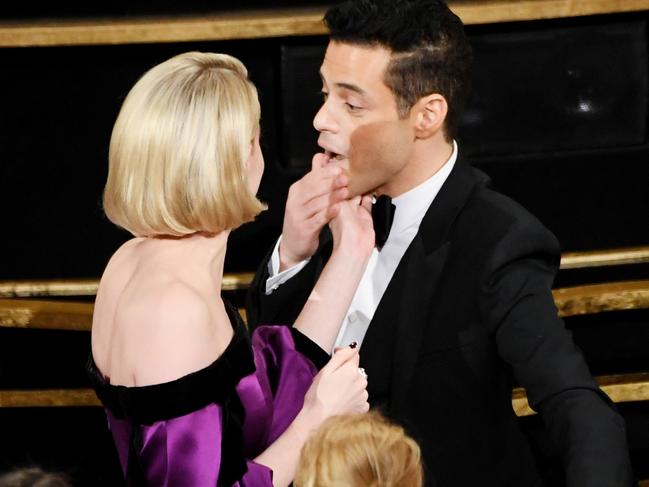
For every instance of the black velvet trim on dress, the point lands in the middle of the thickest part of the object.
(159, 402)
(214, 384)
(310, 349)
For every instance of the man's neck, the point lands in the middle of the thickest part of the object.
(428, 157)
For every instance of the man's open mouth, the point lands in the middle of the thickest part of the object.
(333, 155)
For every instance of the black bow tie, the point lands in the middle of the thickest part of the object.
(382, 216)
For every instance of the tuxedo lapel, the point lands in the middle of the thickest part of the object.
(419, 272)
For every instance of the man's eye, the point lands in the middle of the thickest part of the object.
(323, 94)
(352, 108)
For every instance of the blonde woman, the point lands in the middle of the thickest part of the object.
(191, 399)
(360, 451)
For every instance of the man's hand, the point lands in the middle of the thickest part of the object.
(312, 202)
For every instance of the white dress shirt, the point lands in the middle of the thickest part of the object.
(410, 210)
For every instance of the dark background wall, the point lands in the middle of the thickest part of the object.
(558, 119)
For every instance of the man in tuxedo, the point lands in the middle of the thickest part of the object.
(456, 305)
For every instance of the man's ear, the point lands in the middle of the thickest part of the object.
(429, 114)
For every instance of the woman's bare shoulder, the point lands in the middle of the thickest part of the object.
(179, 332)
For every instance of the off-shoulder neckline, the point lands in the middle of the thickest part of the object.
(185, 394)
(238, 328)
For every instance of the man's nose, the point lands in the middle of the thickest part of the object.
(323, 121)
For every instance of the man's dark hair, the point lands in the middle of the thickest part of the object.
(430, 51)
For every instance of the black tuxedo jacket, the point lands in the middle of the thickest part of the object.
(468, 312)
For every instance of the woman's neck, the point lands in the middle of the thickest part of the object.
(199, 250)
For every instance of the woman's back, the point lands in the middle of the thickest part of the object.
(199, 406)
(191, 399)
(158, 314)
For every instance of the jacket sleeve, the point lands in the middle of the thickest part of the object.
(518, 306)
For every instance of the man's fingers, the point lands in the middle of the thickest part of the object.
(314, 185)
(332, 212)
(340, 194)
(321, 203)
(319, 160)
(322, 218)
(341, 181)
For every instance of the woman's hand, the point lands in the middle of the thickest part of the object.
(352, 228)
(339, 388)
(327, 305)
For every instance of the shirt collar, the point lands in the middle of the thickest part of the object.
(412, 205)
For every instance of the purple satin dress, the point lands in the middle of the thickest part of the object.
(205, 428)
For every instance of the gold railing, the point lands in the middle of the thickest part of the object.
(48, 398)
(607, 257)
(272, 23)
(597, 298)
(620, 388)
(239, 281)
(52, 315)
(570, 301)
(63, 315)
(38, 288)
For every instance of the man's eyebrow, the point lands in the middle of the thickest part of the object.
(346, 86)
(351, 87)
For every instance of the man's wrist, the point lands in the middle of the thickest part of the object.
(278, 275)
(286, 260)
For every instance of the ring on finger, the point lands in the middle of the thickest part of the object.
(362, 373)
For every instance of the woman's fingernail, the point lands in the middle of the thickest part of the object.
(353, 345)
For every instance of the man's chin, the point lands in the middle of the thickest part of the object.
(361, 190)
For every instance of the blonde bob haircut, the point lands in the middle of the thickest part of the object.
(178, 151)
(359, 450)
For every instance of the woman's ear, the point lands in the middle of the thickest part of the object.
(429, 115)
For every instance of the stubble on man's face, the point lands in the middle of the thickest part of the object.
(378, 152)
(359, 123)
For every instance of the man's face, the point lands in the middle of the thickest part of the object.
(358, 122)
